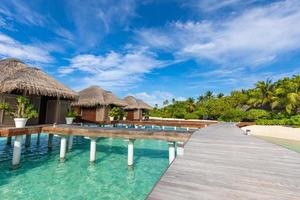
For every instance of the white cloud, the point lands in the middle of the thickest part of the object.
(256, 37)
(10, 47)
(96, 18)
(21, 12)
(156, 97)
(114, 70)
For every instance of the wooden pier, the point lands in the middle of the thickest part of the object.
(220, 162)
(67, 132)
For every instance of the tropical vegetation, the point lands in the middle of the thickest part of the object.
(267, 103)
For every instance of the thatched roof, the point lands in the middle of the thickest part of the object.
(19, 77)
(94, 96)
(134, 103)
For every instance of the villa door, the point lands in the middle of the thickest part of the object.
(130, 115)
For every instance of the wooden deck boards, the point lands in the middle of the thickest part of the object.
(222, 163)
(126, 133)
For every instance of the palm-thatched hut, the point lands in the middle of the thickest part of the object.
(50, 97)
(94, 104)
(136, 108)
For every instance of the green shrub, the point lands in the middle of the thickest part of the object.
(233, 115)
(256, 114)
(191, 116)
(292, 121)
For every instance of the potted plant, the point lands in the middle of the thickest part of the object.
(113, 113)
(145, 116)
(71, 115)
(24, 110)
(125, 116)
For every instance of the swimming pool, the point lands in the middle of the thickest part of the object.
(146, 127)
(42, 176)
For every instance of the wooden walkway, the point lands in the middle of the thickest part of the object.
(222, 163)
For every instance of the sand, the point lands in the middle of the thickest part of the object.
(274, 131)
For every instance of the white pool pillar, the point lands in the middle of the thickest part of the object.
(63, 148)
(38, 138)
(171, 152)
(130, 152)
(93, 150)
(70, 142)
(27, 140)
(50, 141)
(17, 150)
(180, 148)
(8, 140)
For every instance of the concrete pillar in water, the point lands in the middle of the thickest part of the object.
(70, 142)
(8, 140)
(171, 151)
(180, 148)
(27, 140)
(93, 150)
(38, 138)
(130, 151)
(63, 147)
(50, 141)
(17, 150)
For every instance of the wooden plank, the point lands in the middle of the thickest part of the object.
(118, 133)
(220, 162)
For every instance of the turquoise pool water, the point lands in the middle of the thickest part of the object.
(42, 176)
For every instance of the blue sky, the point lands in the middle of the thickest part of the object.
(155, 49)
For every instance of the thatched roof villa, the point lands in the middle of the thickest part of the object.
(94, 104)
(50, 97)
(136, 108)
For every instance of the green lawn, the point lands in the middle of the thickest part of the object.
(289, 144)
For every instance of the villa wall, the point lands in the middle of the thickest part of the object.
(137, 114)
(1, 112)
(102, 113)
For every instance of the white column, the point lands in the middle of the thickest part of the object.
(130, 151)
(63, 146)
(93, 150)
(180, 148)
(38, 138)
(50, 141)
(17, 150)
(163, 127)
(8, 140)
(70, 142)
(171, 152)
(27, 140)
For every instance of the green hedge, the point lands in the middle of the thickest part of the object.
(256, 114)
(292, 121)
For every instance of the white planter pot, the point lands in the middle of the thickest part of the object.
(111, 118)
(124, 118)
(69, 120)
(20, 122)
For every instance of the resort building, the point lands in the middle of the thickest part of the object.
(50, 98)
(136, 108)
(94, 104)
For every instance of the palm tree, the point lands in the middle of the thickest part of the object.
(190, 105)
(166, 102)
(287, 95)
(173, 100)
(220, 95)
(262, 95)
(200, 99)
(209, 95)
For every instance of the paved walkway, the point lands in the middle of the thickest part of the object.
(222, 163)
